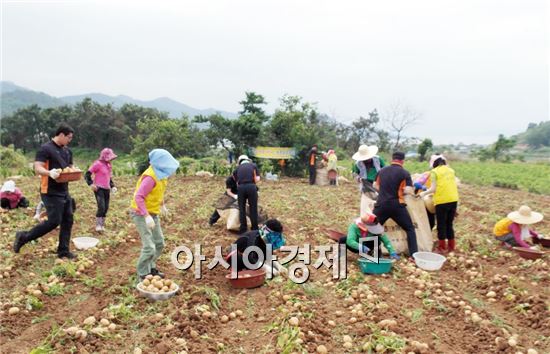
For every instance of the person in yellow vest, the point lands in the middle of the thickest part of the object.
(147, 204)
(514, 229)
(445, 198)
(332, 167)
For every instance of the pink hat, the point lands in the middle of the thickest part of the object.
(107, 155)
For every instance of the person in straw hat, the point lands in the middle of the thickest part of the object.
(367, 163)
(514, 229)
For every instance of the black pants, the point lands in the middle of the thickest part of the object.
(431, 219)
(5, 203)
(312, 174)
(214, 218)
(102, 197)
(445, 214)
(60, 213)
(248, 192)
(400, 215)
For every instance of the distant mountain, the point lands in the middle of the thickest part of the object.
(14, 97)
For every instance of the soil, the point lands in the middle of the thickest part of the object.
(325, 308)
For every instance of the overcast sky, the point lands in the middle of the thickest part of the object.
(472, 68)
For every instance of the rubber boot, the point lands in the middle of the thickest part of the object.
(452, 245)
(102, 223)
(98, 227)
(441, 247)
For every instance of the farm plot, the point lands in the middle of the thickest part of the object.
(484, 300)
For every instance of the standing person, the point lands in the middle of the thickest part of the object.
(11, 197)
(332, 167)
(247, 175)
(445, 197)
(393, 182)
(52, 157)
(311, 156)
(102, 184)
(147, 204)
(227, 200)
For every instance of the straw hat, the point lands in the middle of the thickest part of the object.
(525, 216)
(365, 152)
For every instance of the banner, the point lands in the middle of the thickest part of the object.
(267, 152)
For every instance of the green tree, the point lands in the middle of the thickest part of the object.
(178, 136)
(252, 105)
(423, 148)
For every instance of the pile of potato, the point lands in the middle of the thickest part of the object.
(155, 284)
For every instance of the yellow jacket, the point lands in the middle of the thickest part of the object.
(446, 189)
(153, 200)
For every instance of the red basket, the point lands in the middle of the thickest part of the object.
(69, 177)
(334, 235)
(247, 279)
(528, 253)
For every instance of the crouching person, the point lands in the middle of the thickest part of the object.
(147, 204)
(11, 197)
(514, 230)
(367, 226)
(270, 233)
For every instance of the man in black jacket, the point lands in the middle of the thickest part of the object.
(311, 156)
(50, 159)
(246, 175)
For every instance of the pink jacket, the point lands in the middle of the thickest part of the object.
(102, 171)
(14, 197)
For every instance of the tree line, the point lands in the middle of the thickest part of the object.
(135, 129)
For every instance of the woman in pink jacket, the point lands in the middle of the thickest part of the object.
(11, 197)
(102, 184)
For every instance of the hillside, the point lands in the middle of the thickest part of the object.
(14, 97)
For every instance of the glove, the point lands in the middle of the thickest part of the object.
(53, 173)
(164, 211)
(114, 190)
(366, 249)
(94, 187)
(395, 256)
(150, 222)
(235, 197)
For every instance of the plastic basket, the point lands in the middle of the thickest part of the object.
(69, 177)
(369, 267)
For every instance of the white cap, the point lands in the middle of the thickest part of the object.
(9, 186)
(241, 158)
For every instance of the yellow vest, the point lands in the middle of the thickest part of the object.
(153, 200)
(502, 227)
(446, 189)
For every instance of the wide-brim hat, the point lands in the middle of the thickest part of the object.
(365, 152)
(525, 216)
(107, 155)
